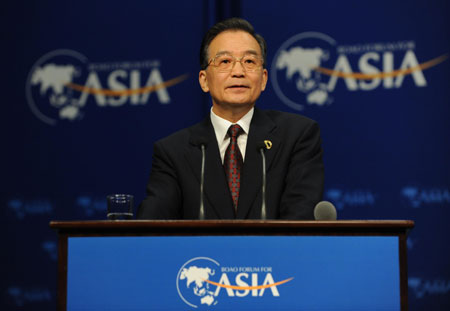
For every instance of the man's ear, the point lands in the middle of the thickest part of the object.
(264, 80)
(203, 81)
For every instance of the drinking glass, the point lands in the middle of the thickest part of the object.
(120, 206)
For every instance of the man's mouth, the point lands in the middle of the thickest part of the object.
(238, 86)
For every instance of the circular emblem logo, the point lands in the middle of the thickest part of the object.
(47, 87)
(293, 73)
(192, 285)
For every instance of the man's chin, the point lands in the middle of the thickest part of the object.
(239, 101)
(234, 105)
(239, 104)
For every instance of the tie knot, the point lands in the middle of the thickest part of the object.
(235, 130)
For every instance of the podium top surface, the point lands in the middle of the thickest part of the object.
(232, 227)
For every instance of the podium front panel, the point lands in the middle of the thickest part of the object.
(233, 273)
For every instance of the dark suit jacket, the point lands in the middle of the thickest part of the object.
(294, 172)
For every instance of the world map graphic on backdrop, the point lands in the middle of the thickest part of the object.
(307, 68)
(62, 82)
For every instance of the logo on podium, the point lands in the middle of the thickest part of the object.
(202, 280)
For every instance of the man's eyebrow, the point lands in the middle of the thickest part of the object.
(253, 52)
(222, 53)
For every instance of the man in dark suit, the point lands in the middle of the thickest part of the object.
(233, 63)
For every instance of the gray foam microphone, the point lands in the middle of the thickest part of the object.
(325, 210)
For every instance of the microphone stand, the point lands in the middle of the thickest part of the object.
(263, 188)
(201, 215)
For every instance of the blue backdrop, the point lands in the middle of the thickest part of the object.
(379, 91)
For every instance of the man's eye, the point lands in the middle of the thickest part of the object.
(250, 61)
(224, 61)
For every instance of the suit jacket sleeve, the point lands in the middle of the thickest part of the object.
(304, 181)
(163, 199)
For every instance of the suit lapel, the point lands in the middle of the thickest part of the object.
(262, 128)
(215, 186)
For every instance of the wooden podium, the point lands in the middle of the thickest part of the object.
(372, 255)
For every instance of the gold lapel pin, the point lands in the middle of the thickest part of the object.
(268, 144)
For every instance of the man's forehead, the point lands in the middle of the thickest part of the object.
(234, 41)
(246, 52)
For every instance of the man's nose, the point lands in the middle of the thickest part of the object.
(238, 69)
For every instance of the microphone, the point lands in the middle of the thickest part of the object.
(202, 142)
(260, 147)
(325, 210)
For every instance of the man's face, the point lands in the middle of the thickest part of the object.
(236, 88)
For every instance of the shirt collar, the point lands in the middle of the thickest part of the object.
(221, 125)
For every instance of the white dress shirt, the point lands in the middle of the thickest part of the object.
(221, 127)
